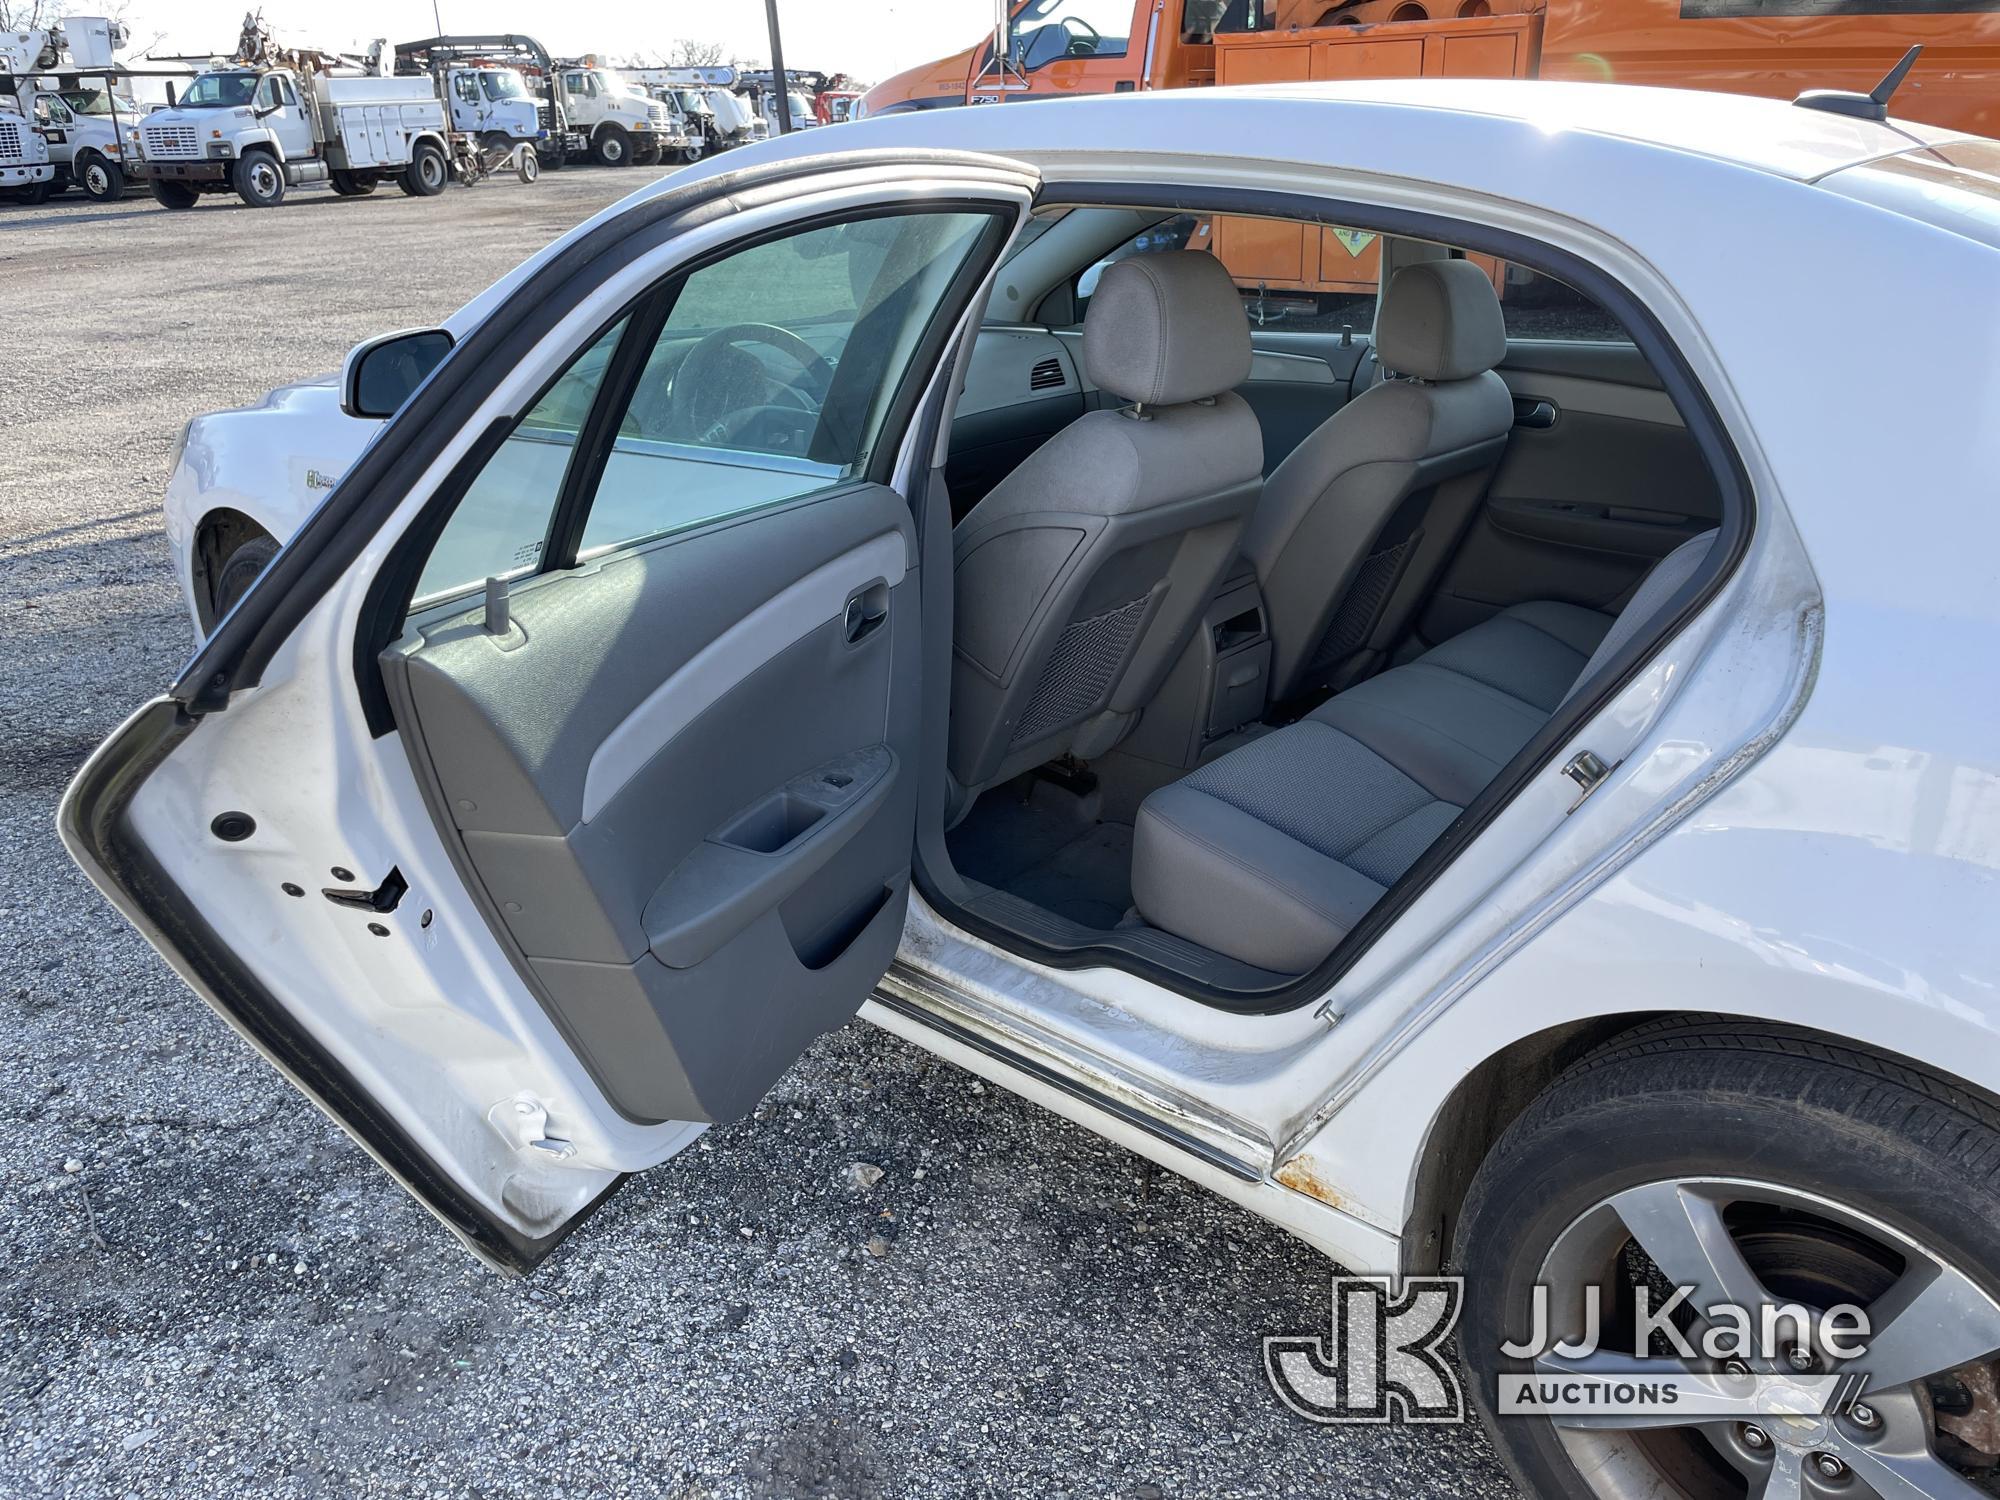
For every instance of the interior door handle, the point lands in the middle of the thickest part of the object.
(866, 612)
(1536, 414)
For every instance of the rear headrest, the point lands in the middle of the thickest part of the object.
(1166, 328)
(1439, 320)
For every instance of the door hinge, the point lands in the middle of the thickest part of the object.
(1588, 770)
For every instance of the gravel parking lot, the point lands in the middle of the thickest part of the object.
(205, 1288)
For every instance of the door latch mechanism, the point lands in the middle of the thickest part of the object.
(525, 1122)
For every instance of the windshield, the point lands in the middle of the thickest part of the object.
(690, 101)
(502, 85)
(612, 83)
(220, 91)
(95, 102)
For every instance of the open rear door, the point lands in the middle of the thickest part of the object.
(556, 785)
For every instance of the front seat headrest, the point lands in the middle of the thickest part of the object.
(1440, 320)
(1166, 328)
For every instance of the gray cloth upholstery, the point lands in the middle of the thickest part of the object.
(1166, 328)
(1439, 320)
(1272, 853)
(1359, 519)
(1079, 578)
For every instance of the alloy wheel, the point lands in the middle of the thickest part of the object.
(1927, 1422)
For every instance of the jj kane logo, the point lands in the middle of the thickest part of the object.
(1381, 1360)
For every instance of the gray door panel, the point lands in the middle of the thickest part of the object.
(683, 780)
(1599, 482)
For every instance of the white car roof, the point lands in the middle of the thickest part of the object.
(1595, 152)
(1319, 123)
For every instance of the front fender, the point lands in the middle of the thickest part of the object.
(273, 462)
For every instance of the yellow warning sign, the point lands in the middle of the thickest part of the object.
(1355, 240)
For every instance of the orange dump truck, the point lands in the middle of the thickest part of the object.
(1778, 48)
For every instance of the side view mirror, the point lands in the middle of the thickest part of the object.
(383, 373)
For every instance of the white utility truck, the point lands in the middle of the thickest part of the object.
(74, 101)
(737, 123)
(275, 116)
(258, 130)
(623, 125)
(26, 174)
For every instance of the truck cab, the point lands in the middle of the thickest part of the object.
(486, 102)
(623, 125)
(83, 128)
(25, 170)
(219, 117)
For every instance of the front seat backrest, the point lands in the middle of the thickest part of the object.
(1356, 523)
(1079, 578)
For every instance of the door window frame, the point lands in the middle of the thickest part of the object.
(646, 314)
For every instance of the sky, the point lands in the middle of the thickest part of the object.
(868, 38)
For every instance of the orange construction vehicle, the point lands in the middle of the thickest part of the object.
(1052, 48)
(1043, 49)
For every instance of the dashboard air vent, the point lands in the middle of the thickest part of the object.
(1047, 376)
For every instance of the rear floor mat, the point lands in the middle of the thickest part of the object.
(1046, 853)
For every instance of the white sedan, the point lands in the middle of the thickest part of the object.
(1435, 679)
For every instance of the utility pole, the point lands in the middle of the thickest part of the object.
(778, 69)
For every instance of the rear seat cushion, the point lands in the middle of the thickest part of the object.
(1272, 853)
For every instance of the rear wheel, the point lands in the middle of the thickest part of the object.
(694, 151)
(612, 148)
(550, 155)
(649, 154)
(428, 172)
(174, 194)
(354, 184)
(1766, 1168)
(101, 178)
(34, 193)
(259, 180)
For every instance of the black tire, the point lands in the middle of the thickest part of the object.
(428, 173)
(551, 155)
(694, 151)
(34, 194)
(258, 179)
(101, 179)
(239, 570)
(1684, 1101)
(353, 184)
(171, 194)
(612, 147)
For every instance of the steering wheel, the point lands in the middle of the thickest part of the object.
(1093, 39)
(718, 392)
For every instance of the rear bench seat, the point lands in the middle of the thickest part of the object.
(1271, 853)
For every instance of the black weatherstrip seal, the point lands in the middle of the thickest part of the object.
(1703, 425)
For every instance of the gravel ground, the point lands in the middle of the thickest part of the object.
(205, 1288)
